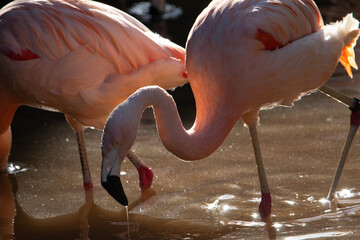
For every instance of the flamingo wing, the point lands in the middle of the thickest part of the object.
(78, 53)
(52, 29)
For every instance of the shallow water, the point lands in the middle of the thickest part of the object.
(215, 198)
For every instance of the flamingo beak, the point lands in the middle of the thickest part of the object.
(110, 177)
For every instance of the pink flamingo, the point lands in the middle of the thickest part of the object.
(241, 56)
(81, 58)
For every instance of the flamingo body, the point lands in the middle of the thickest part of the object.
(86, 58)
(78, 57)
(248, 66)
(241, 56)
(235, 65)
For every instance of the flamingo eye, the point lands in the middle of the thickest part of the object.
(117, 142)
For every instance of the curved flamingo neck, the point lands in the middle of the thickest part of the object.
(203, 138)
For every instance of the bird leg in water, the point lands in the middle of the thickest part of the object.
(7, 111)
(79, 131)
(354, 106)
(265, 204)
(350, 137)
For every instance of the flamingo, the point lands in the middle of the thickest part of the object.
(81, 58)
(242, 56)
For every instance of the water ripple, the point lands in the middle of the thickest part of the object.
(318, 235)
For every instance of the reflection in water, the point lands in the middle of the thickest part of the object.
(318, 235)
(7, 207)
(77, 224)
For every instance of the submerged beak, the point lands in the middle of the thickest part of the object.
(110, 177)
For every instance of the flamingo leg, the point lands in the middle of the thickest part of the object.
(7, 111)
(79, 131)
(350, 137)
(5, 146)
(340, 97)
(88, 184)
(145, 173)
(354, 107)
(84, 214)
(265, 204)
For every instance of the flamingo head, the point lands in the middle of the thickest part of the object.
(110, 173)
(118, 137)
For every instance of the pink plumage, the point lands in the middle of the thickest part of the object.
(79, 57)
(241, 56)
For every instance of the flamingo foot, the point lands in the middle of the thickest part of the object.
(145, 176)
(265, 205)
(88, 185)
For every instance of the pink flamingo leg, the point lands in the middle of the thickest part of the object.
(8, 107)
(145, 176)
(265, 204)
(88, 183)
(354, 125)
(145, 173)
(79, 131)
(354, 106)
(5, 146)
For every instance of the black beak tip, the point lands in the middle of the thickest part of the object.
(114, 187)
